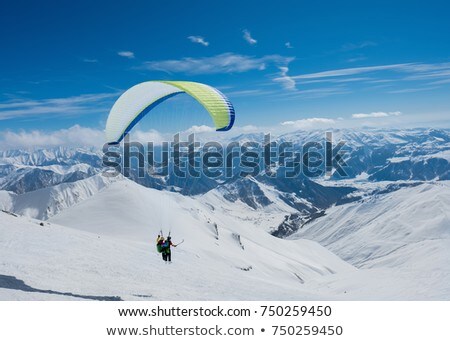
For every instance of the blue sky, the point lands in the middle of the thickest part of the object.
(384, 62)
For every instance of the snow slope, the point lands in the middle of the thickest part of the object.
(108, 250)
(46, 202)
(407, 231)
(6, 200)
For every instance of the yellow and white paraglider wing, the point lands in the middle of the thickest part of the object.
(140, 99)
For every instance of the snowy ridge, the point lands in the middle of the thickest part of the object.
(46, 202)
(49, 156)
(408, 228)
(26, 171)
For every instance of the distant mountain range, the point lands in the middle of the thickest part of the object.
(387, 223)
(376, 156)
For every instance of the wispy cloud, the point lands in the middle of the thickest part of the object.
(69, 106)
(88, 60)
(414, 71)
(126, 54)
(284, 79)
(357, 46)
(318, 92)
(337, 80)
(410, 90)
(428, 72)
(288, 45)
(378, 81)
(378, 114)
(248, 92)
(354, 79)
(356, 59)
(420, 75)
(356, 71)
(198, 40)
(248, 37)
(222, 63)
(439, 82)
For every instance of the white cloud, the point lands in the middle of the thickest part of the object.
(248, 37)
(377, 114)
(310, 123)
(337, 80)
(151, 135)
(75, 136)
(249, 128)
(415, 71)
(126, 54)
(409, 90)
(222, 63)
(247, 92)
(353, 71)
(288, 45)
(442, 81)
(198, 40)
(75, 105)
(199, 129)
(441, 73)
(316, 92)
(356, 59)
(88, 60)
(286, 81)
(395, 75)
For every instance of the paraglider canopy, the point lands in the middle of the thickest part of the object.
(140, 99)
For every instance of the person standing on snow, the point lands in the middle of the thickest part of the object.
(159, 245)
(166, 253)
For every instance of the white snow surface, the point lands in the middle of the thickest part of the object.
(406, 232)
(46, 202)
(393, 247)
(104, 246)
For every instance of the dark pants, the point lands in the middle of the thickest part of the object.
(166, 256)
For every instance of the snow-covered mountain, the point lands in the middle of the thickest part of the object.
(375, 155)
(305, 198)
(26, 171)
(382, 233)
(46, 202)
(378, 155)
(406, 231)
(388, 155)
(63, 156)
(366, 231)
